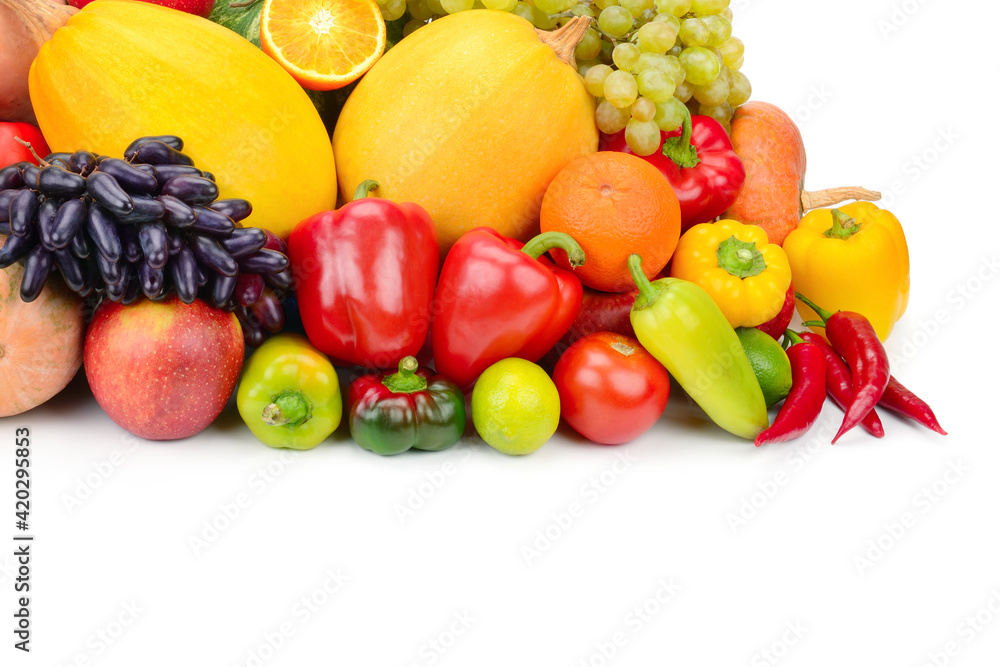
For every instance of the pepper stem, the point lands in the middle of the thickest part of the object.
(741, 259)
(680, 149)
(825, 314)
(365, 189)
(546, 241)
(844, 226)
(648, 292)
(793, 337)
(405, 380)
(290, 408)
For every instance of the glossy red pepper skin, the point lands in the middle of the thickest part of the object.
(494, 301)
(12, 151)
(902, 401)
(710, 187)
(364, 277)
(839, 385)
(805, 400)
(854, 339)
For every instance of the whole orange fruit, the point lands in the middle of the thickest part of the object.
(613, 204)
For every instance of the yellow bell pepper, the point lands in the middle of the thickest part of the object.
(852, 258)
(746, 276)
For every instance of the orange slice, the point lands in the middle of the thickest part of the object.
(323, 44)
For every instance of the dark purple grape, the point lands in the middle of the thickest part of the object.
(222, 291)
(104, 232)
(170, 140)
(184, 271)
(83, 162)
(151, 280)
(91, 277)
(253, 336)
(62, 183)
(164, 172)
(15, 248)
(105, 190)
(131, 179)
(69, 220)
(268, 310)
(264, 261)
(131, 248)
(111, 272)
(209, 175)
(209, 253)
(116, 291)
(237, 209)
(5, 229)
(202, 278)
(52, 157)
(10, 177)
(46, 222)
(249, 287)
(175, 243)
(212, 222)
(6, 197)
(282, 280)
(147, 209)
(176, 213)
(22, 213)
(157, 152)
(244, 241)
(133, 291)
(191, 189)
(70, 268)
(37, 267)
(62, 164)
(29, 174)
(80, 245)
(153, 240)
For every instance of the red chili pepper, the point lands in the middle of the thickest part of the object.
(839, 384)
(805, 400)
(901, 400)
(365, 278)
(854, 338)
(699, 161)
(498, 298)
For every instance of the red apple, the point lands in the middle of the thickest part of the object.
(163, 370)
(600, 311)
(198, 7)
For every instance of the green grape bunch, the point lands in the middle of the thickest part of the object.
(643, 60)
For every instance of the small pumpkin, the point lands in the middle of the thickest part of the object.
(41, 343)
(23, 34)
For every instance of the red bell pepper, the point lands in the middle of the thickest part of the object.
(498, 298)
(699, 161)
(12, 151)
(364, 278)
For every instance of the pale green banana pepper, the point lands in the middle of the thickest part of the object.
(680, 325)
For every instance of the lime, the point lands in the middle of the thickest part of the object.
(769, 362)
(515, 406)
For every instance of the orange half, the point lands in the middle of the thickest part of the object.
(323, 44)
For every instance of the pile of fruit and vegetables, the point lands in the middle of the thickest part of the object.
(424, 217)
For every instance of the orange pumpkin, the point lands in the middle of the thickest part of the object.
(41, 343)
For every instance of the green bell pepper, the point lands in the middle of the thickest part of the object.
(289, 394)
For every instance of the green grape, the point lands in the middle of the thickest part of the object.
(655, 37)
(580, 9)
(693, 32)
(669, 115)
(648, 60)
(739, 90)
(604, 4)
(708, 6)
(722, 113)
(636, 7)
(552, 6)
(540, 19)
(455, 6)
(727, 14)
(672, 66)
(642, 137)
(701, 65)
(584, 66)
(593, 80)
(719, 30)
(500, 5)
(626, 56)
(436, 8)
(524, 10)
(478, 4)
(589, 47)
(643, 109)
(676, 7)
(655, 85)
(620, 89)
(610, 119)
(393, 9)
(669, 19)
(676, 51)
(615, 21)
(726, 75)
(419, 10)
(714, 93)
(731, 51)
(411, 27)
(683, 92)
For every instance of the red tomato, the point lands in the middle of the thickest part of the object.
(611, 390)
(11, 151)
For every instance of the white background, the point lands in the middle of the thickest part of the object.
(822, 571)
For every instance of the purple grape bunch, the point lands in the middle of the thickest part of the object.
(150, 225)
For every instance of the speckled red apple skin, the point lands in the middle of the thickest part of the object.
(163, 371)
(197, 7)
